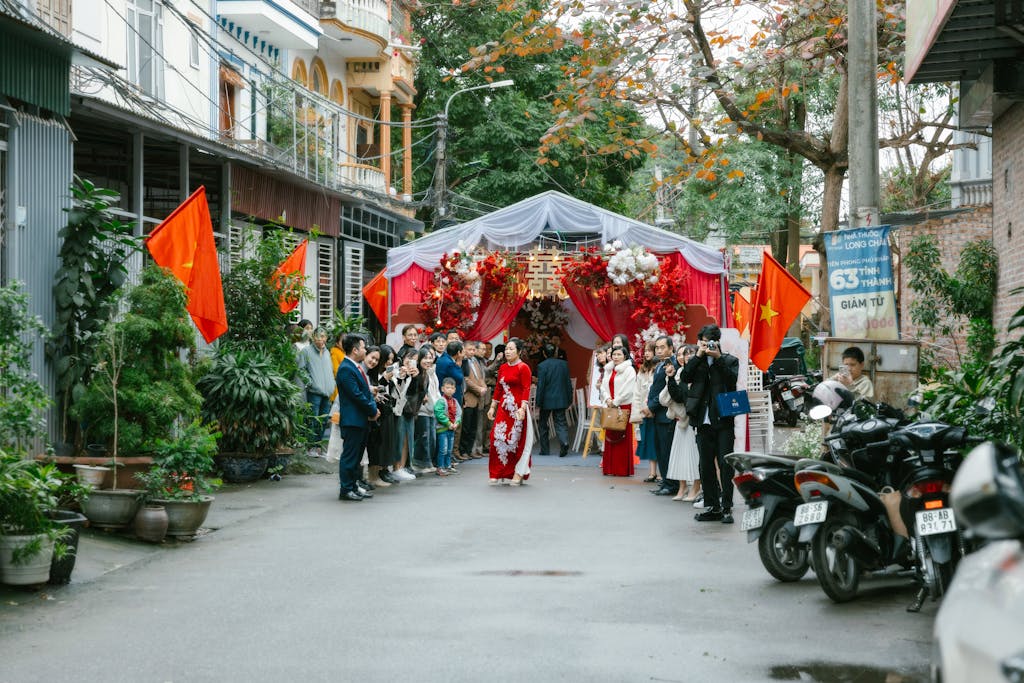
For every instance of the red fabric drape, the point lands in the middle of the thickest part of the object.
(608, 315)
(701, 288)
(404, 286)
(493, 316)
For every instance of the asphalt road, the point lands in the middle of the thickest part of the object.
(575, 577)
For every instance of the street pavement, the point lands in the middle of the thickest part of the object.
(574, 577)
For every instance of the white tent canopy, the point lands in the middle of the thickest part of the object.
(521, 224)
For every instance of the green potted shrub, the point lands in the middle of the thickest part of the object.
(70, 494)
(256, 409)
(180, 480)
(28, 536)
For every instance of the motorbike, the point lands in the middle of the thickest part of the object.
(882, 505)
(787, 394)
(977, 634)
(766, 484)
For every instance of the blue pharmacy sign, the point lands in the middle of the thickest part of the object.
(860, 283)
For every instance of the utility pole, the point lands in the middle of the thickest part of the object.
(862, 57)
(441, 160)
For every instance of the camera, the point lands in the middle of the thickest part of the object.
(393, 369)
(712, 345)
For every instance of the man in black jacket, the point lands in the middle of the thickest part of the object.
(709, 373)
(554, 395)
(664, 426)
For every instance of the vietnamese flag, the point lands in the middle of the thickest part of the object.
(742, 311)
(183, 244)
(294, 265)
(376, 293)
(778, 301)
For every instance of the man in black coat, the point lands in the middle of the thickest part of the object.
(554, 395)
(664, 426)
(709, 373)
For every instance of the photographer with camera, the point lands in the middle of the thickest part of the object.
(711, 372)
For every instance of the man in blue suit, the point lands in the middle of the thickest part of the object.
(664, 426)
(357, 408)
(554, 395)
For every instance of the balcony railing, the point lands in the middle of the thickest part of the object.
(971, 192)
(366, 15)
(362, 176)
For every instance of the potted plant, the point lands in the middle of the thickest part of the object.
(70, 495)
(256, 409)
(28, 537)
(179, 480)
(113, 508)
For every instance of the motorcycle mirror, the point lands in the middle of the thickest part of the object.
(819, 412)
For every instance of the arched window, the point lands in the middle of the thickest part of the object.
(299, 72)
(318, 77)
(337, 92)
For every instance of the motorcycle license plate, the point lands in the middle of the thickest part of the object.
(810, 513)
(935, 521)
(752, 519)
(787, 394)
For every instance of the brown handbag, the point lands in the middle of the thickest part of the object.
(614, 419)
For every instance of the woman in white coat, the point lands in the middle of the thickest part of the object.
(683, 462)
(617, 391)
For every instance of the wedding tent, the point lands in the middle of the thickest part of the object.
(554, 219)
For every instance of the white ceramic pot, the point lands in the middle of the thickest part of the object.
(91, 475)
(34, 569)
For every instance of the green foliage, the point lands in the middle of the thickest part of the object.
(256, 408)
(182, 465)
(29, 491)
(251, 300)
(494, 137)
(141, 356)
(751, 209)
(341, 323)
(94, 250)
(946, 303)
(899, 192)
(957, 394)
(22, 398)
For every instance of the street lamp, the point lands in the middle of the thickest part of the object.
(440, 180)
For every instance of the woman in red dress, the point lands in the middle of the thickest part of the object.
(512, 434)
(617, 391)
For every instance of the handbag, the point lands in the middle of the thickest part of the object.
(614, 419)
(732, 403)
(334, 445)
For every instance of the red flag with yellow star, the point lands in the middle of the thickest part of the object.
(184, 244)
(376, 293)
(779, 299)
(292, 268)
(741, 312)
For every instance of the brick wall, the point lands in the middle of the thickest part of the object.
(952, 234)
(1008, 211)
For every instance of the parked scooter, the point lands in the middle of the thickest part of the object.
(891, 479)
(978, 629)
(766, 484)
(788, 393)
